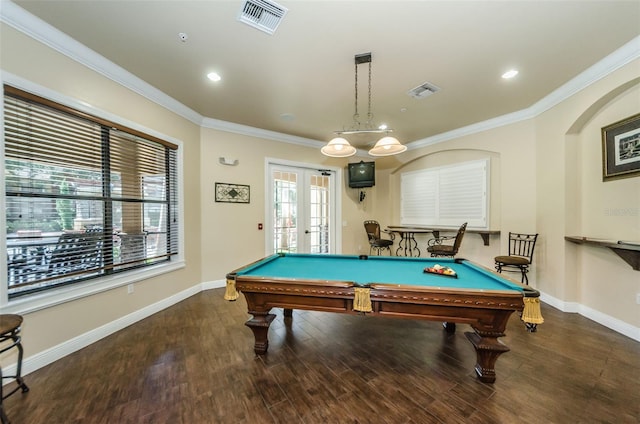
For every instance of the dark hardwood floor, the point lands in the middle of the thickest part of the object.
(194, 363)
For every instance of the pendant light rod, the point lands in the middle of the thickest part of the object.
(340, 147)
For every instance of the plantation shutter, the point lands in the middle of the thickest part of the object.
(446, 196)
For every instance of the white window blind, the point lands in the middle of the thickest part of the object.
(446, 196)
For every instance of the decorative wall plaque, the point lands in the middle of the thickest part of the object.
(232, 193)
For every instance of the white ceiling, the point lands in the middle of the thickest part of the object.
(300, 81)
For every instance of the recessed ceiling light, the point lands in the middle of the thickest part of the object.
(213, 76)
(510, 74)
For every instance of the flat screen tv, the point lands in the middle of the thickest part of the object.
(362, 174)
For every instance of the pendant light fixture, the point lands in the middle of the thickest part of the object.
(340, 146)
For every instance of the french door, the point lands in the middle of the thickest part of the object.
(301, 210)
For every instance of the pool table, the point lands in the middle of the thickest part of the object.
(389, 287)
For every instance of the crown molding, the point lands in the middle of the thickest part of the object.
(624, 55)
(34, 27)
(231, 127)
(489, 124)
(21, 20)
(614, 61)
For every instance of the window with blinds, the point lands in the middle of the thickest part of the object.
(84, 197)
(446, 196)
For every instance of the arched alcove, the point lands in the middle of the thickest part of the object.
(473, 246)
(583, 158)
(449, 157)
(595, 278)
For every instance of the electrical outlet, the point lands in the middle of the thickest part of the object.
(130, 289)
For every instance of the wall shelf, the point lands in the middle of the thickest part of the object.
(413, 229)
(629, 251)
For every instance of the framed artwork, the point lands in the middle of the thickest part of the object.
(621, 149)
(232, 193)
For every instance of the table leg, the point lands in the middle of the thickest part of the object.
(259, 324)
(401, 245)
(488, 349)
(408, 244)
(449, 327)
(413, 241)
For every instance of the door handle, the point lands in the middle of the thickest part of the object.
(307, 231)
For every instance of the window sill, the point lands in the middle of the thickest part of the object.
(55, 297)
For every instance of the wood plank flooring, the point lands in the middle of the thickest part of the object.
(194, 363)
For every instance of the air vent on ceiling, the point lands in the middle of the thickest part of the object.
(423, 90)
(261, 14)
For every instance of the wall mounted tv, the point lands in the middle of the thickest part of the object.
(362, 174)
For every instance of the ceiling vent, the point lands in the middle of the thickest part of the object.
(261, 14)
(423, 90)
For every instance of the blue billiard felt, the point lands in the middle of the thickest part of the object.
(378, 269)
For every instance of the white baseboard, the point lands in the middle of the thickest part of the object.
(571, 307)
(44, 358)
(597, 316)
(216, 284)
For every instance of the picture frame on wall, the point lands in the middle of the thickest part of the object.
(232, 193)
(621, 149)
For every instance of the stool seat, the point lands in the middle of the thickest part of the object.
(10, 338)
(9, 323)
(512, 260)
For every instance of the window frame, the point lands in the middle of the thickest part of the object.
(58, 295)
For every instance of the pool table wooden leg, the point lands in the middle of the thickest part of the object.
(488, 349)
(259, 324)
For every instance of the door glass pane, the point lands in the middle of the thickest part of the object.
(285, 214)
(319, 214)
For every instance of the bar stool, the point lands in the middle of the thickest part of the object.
(10, 332)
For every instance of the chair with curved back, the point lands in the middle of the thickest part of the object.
(376, 242)
(520, 255)
(446, 246)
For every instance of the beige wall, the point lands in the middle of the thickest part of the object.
(230, 235)
(511, 152)
(547, 172)
(28, 59)
(573, 200)
(608, 210)
(545, 178)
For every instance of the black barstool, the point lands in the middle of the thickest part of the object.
(10, 332)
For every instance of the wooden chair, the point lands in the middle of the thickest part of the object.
(9, 339)
(520, 254)
(446, 246)
(376, 242)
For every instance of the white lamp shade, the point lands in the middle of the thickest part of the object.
(338, 148)
(387, 146)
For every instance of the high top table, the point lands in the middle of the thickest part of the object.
(408, 245)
